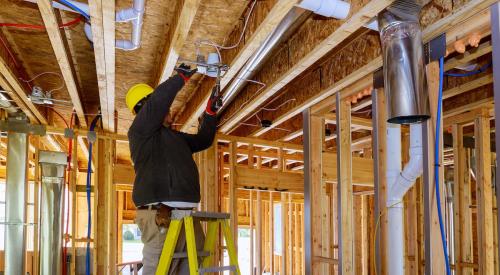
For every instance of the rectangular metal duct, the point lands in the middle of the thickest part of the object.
(15, 201)
(404, 71)
(53, 165)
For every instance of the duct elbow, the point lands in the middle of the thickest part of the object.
(412, 170)
(125, 45)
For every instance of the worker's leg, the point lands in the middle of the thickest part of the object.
(152, 237)
(200, 241)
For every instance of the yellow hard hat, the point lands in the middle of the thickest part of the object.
(136, 94)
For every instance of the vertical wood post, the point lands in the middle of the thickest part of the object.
(271, 233)
(379, 167)
(434, 255)
(484, 196)
(258, 235)
(313, 184)
(344, 174)
(233, 200)
(284, 235)
(462, 216)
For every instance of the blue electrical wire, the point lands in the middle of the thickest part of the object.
(478, 71)
(88, 188)
(75, 8)
(436, 164)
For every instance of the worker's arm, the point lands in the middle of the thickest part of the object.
(205, 136)
(206, 133)
(150, 117)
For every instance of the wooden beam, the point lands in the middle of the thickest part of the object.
(185, 14)
(10, 83)
(52, 27)
(102, 13)
(313, 189)
(345, 197)
(462, 200)
(468, 86)
(484, 195)
(351, 25)
(468, 56)
(273, 18)
(233, 199)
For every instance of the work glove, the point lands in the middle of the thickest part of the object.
(214, 102)
(185, 72)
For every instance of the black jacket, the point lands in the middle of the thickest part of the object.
(164, 166)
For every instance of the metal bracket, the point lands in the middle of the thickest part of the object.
(435, 49)
(69, 133)
(378, 78)
(20, 124)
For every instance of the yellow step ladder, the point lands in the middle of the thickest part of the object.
(213, 219)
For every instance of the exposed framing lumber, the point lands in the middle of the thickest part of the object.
(185, 14)
(345, 198)
(380, 180)
(352, 24)
(102, 14)
(435, 262)
(52, 27)
(313, 188)
(468, 56)
(463, 233)
(274, 17)
(233, 199)
(453, 22)
(10, 82)
(484, 195)
(471, 85)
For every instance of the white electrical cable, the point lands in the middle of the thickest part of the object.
(47, 73)
(219, 47)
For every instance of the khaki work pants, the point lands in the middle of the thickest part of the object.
(153, 238)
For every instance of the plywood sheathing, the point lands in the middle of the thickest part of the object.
(214, 21)
(260, 12)
(35, 53)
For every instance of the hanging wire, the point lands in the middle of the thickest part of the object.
(219, 47)
(279, 106)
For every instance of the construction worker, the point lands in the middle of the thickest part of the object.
(166, 174)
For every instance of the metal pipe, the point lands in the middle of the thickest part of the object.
(15, 202)
(404, 72)
(53, 165)
(295, 17)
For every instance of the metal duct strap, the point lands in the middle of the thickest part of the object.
(404, 71)
(53, 165)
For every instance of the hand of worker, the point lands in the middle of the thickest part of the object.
(214, 102)
(185, 72)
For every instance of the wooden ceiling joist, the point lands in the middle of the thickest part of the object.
(452, 23)
(56, 39)
(351, 25)
(185, 16)
(102, 15)
(274, 17)
(19, 96)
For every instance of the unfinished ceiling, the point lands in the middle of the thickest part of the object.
(323, 56)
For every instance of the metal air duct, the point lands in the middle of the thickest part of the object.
(53, 165)
(295, 17)
(404, 72)
(15, 201)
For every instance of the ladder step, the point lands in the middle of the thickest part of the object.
(211, 215)
(182, 255)
(217, 269)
